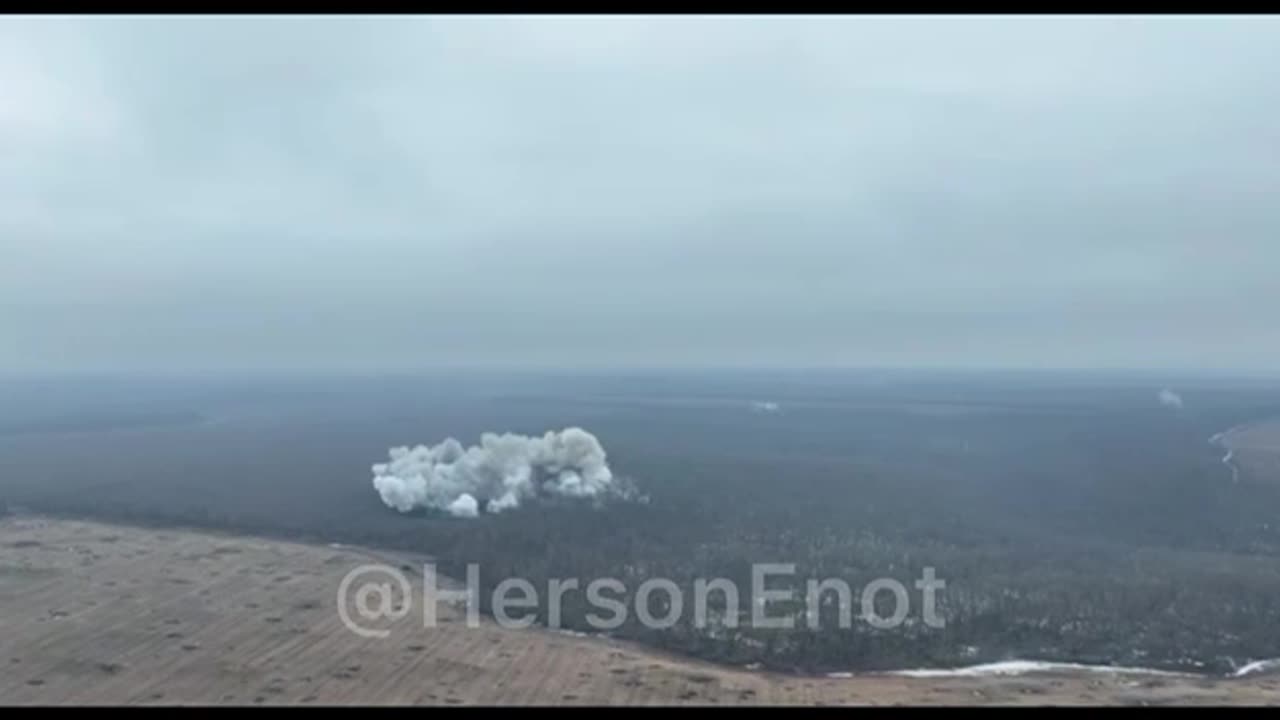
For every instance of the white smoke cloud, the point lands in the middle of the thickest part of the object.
(498, 474)
(464, 506)
(764, 406)
(1170, 399)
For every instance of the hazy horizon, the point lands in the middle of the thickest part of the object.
(387, 194)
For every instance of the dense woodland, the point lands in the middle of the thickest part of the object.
(1071, 519)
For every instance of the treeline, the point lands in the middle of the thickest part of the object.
(1103, 539)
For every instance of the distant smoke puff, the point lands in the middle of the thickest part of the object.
(1170, 399)
(764, 406)
(498, 474)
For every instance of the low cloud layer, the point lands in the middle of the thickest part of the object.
(354, 192)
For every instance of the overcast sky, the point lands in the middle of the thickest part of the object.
(202, 193)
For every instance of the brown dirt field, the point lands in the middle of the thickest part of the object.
(1256, 450)
(92, 613)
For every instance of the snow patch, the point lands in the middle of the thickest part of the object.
(1257, 666)
(1023, 667)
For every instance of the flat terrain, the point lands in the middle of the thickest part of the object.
(1075, 517)
(1256, 449)
(92, 613)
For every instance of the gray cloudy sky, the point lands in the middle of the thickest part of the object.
(346, 192)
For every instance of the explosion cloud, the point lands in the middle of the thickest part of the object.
(498, 474)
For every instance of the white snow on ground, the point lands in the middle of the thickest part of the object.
(1258, 666)
(1022, 667)
(1229, 458)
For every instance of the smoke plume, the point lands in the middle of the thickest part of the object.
(499, 474)
(1170, 399)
